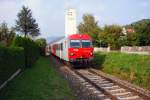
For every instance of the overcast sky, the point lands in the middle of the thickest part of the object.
(50, 13)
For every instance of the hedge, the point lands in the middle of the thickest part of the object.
(23, 53)
(11, 59)
(31, 49)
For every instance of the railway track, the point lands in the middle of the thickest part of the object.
(91, 84)
(142, 93)
(102, 87)
(109, 87)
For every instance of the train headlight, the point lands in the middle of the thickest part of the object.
(91, 53)
(71, 54)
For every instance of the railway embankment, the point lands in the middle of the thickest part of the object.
(131, 67)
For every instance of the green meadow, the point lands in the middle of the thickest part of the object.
(40, 82)
(131, 67)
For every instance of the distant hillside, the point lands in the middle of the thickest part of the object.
(143, 22)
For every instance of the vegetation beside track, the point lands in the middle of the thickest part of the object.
(11, 59)
(130, 67)
(40, 82)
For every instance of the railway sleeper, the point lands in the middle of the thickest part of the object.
(99, 94)
(117, 90)
(123, 94)
(111, 87)
(102, 82)
(130, 98)
(107, 84)
(93, 94)
(94, 77)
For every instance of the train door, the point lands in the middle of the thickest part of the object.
(61, 50)
(64, 49)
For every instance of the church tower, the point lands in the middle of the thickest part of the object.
(70, 22)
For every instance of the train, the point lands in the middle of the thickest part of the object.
(76, 48)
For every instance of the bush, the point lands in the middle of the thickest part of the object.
(11, 59)
(42, 44)
(42, 50)
(31, 49)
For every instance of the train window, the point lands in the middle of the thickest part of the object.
(75, 43)
(86, 43)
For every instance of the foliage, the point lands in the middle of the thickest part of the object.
(131, 67)
(132, 39)
(26, 24)
(6, 35)
(31, 49)
(111, 35)
(90, 26)
(142, 30)
(11, 59)
(41, 82)
(42, 44)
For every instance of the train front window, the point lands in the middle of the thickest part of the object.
(75, 43)
(86, 43)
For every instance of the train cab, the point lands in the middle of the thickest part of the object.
(80, 48)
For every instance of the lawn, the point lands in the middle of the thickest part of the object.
(40, 82)
(131, 67)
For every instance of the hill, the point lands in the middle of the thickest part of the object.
(143, 22)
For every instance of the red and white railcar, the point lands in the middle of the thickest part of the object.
(76, 47)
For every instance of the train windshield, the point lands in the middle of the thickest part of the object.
(75, 43)
(86, 43)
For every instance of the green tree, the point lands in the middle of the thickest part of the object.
(3, 31)
(132, 39)
(142, 32)
(11, 36)
(6, 35)
(111, 35)
(42, 44)
(26, 24)
(31, 49)
(90, 26)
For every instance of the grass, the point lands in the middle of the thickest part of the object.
(130, 67)
(41, 82)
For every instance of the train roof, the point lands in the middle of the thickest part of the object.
(80, 36)
(57, 40)
(74, 36)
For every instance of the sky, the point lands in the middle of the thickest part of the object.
(50, 14)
